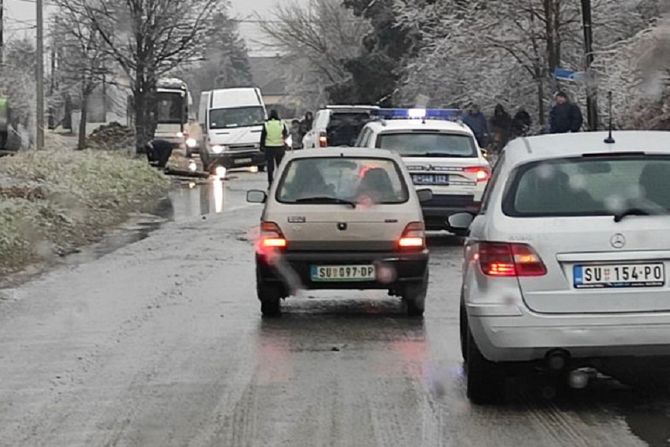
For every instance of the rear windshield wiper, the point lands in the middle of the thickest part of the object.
(630, 212)
(325, 199)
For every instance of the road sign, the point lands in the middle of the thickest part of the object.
(564, 74)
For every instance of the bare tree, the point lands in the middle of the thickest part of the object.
(314, 41)
(83, 60)
(147, 39)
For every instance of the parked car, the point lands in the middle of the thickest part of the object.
(566, 265)
(337, 126)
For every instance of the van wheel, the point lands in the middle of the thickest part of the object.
(415, 297)
(270, 298)
(485, 379)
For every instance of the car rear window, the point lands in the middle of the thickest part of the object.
(428, 144)
(590, 186)
(344, 127)
(325, 180)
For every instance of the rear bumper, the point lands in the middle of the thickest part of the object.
(437, 211)
(406, 268)
(508, 333)
(237, 159)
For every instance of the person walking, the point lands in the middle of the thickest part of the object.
(307, 123)
(564, 116)
(273, 143)
(477, 122)
(296, 135)
(501, 127)
(521, 123)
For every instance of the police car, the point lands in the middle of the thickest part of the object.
(441, 153)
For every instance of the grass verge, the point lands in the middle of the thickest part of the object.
(56, 200)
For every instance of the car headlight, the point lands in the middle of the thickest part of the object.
(180, 134)
(191, 142)
(217, 149)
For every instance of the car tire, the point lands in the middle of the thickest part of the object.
(415, 297)
(485, 380)
(270, 298)
(463, 328)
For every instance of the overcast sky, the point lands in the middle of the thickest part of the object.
(20, 16)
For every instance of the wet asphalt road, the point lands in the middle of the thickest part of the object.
(161, 343)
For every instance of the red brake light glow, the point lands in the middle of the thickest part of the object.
(323, 140)
(482, 173)
(272, 237)
(509, 260)
(414, 236)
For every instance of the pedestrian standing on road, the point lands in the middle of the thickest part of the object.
(501, 127)
(477, 122)
(565, 116)
(296, 135)
(521, 123)
(273, 143)
(307, 123)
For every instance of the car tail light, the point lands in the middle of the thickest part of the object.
(414, 237)
(323, 139)
(509, 260)
(272, 237)
(482, 173)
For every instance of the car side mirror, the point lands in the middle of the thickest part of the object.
(256, 196)
(425, 195)
(460, 223)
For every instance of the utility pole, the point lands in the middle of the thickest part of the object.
(591, 89)
(39, 74)
(2, 33)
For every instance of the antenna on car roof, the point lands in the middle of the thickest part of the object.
(610, 138)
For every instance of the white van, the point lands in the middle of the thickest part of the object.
(232, 121)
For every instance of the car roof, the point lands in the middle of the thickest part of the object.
(551, 146)
(340, 108)
(346, 152)
(415, 124)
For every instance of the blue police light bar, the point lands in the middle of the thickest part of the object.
(421, 114)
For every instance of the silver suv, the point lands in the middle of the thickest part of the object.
(341, 219)
(566, 266)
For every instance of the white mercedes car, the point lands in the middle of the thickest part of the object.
(566, 265)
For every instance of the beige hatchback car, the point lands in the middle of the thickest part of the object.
(342, 218)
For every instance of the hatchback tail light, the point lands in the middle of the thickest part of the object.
(323, 139)
(509, 260)
(271, 237)
(414, 237)
(482, 173)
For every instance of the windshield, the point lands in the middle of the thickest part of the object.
(237, 117)
(429, 144)
(344, 128)
(170, 108)
(342, 180)
(591, 186)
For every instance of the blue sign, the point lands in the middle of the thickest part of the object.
(564, 74)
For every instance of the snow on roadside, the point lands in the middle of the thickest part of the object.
(53, 201)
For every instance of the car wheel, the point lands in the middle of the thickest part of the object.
(463, 326)
(270, 298)
(415, 297)
(485, 379)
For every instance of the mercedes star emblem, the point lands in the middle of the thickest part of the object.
(618, 241)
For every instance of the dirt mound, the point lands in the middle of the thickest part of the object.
(112, 137)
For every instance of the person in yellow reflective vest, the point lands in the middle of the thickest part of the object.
(273, 143)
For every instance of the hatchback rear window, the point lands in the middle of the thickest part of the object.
(344, 127)
(342, 180)
(591, 186)
(428, 144)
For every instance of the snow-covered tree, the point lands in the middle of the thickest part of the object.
(314, 41)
